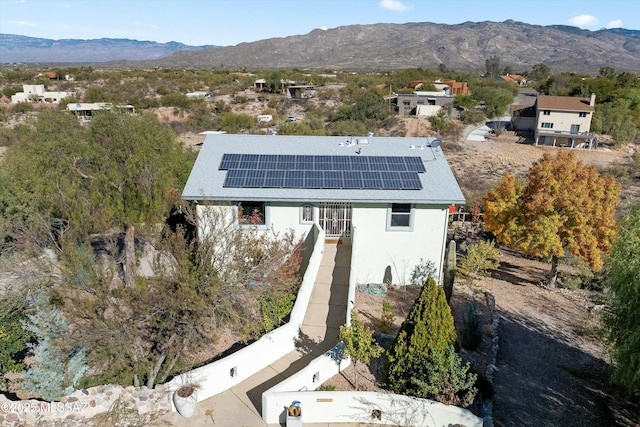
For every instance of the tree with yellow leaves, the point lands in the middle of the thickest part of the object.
(561, 205)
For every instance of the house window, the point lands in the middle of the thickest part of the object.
(575, 128)
(306, 214)
(547, 125)
(582, 114)
(400, 216)
(546, 112)
(252, 213)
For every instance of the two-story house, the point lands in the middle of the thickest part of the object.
(564, 121)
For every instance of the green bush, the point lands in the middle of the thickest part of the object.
(178, 100)
(471, 330)
(427, 333)
(22, 107)
(275, 308)
(445, 378)
(471, 117)
(387, 317)
(481, 257)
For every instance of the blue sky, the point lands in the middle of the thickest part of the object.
(229, 22)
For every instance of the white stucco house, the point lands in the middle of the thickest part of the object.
(37, 93)
(390, 196)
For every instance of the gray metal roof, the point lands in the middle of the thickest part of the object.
(205, 182)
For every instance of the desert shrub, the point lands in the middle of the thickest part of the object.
(235, 123)
(146, 102)
(481, 257)
(422, 271)
(440, 122)
(581, 276)
(471, 330)
(179, 100)
(445, 378)
(8, 137)
(275, 307)
(387, 318)
(472, 117)
(22, 107)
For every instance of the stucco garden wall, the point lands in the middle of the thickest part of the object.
(111, 405)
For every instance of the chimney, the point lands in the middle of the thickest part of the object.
(592, 100)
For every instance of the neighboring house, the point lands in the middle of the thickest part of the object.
(455, 87)
(202, 94)
(300, 91)
(260, 85)
(564, 121)
(36, 93)
(515, 78)
(421, 103)
(85, 110)
(388, 197)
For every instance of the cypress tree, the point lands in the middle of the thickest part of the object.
(426, 334)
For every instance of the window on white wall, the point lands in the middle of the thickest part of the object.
(400, 216)
(547, 125)
(546, 112)
(306, 214)
(252, 213)
(582, 114)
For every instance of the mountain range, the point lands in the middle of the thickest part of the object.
(362, 47)
(14, 48)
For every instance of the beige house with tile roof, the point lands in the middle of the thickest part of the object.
(564, 121)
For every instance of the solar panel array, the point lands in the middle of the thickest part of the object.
(322, 172)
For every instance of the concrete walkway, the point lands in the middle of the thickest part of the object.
(241, 406)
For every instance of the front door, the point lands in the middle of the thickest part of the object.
(335, 219)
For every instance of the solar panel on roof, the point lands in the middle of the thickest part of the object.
(352, 179)
(230, 161)
(274, 179)
(254, 179)
(371, 180)
(391, 180)
(322, 171)
(235, 178)
(378, 164)
(313, 179)
(410, 181)
(267, 161)
(415, 164)
(294, 179)
(249, 161)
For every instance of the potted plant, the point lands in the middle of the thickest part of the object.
(185, 399)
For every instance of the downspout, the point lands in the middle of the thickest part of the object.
(443, 246)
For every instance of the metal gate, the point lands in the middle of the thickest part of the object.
(335, 219)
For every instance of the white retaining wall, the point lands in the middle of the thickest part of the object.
(363, 407)
(225, 373)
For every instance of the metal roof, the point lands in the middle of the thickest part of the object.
(206, 180)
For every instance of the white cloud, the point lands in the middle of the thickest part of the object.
(584, 21)
(323, 28)
(615, 24)
(395, 5)
(23, 23)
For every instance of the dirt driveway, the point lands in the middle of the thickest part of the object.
(552, 367)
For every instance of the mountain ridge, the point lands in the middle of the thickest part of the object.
(17, 48)
(416, 44)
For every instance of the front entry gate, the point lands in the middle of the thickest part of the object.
(335, 219)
